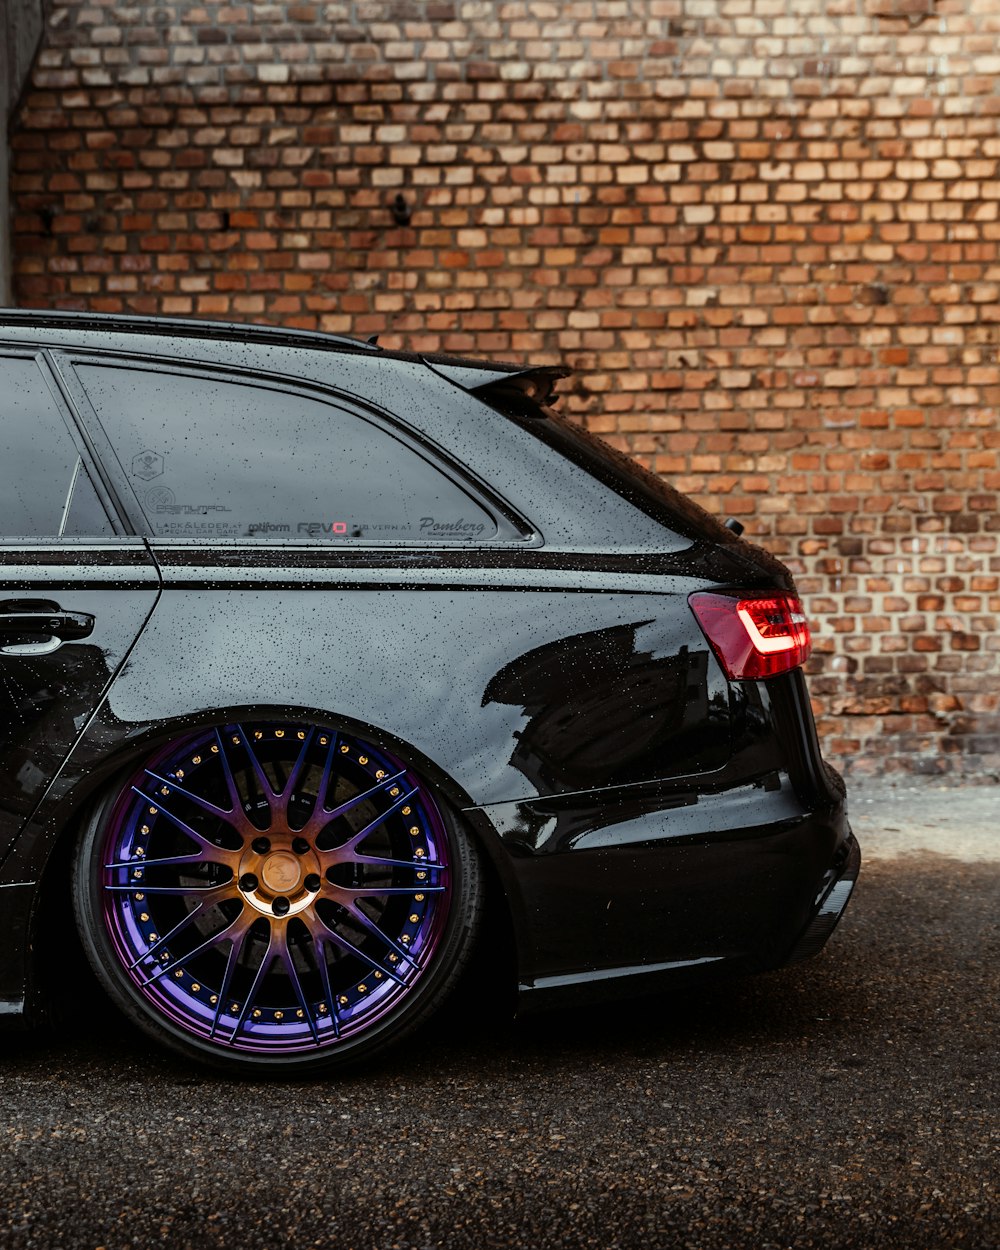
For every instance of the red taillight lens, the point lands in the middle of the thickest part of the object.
(754, 635)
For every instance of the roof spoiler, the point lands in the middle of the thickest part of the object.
(534, 386)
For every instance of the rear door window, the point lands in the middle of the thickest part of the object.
(211, 458)
(45, 489)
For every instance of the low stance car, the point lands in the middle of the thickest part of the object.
(325, 669)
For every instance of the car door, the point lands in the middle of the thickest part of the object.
(76, 587)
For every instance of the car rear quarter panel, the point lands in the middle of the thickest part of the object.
(511, 687)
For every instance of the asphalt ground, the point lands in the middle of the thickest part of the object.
(850, 1101)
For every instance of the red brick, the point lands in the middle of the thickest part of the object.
(790, 313)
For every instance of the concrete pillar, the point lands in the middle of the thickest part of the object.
(21, 24)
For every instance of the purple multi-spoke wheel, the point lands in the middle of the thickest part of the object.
(276, 894)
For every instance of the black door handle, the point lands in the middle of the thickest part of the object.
(19, 617)
(66, 626)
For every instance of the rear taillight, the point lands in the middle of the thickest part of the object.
(754, 635)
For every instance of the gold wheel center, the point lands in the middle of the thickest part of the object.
(281, 872)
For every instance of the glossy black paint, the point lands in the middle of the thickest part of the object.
(46, 699)
(643, 815)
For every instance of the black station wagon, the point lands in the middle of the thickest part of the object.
(325, 669)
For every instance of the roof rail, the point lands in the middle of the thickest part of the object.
(183, 327)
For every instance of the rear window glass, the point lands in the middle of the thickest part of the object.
(212, 459)
(625, 476)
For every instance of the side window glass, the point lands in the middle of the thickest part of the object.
(213, 459)
(84, 513)
(45, 491)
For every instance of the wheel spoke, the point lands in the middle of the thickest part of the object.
(375, 891)
(213, 940)
(268, 958)
(323, 815)
(227, 772)
(196, 857)
(339, 939)
(167, 936)
(367, 923)
(355, 799)
(297, 768)
(176, 788)
(324, 778)
(319, 947)
(236, 944)
(284, 954)
(235, 820)
(392, 863)
(179, 890)
(353, 843)
(267, 789)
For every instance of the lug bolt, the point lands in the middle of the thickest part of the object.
(300, 846)
(313, 882)
(280, 906)
(248, 882)
(261, 845)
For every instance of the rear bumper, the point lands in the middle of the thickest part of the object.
(737, 882)
(834, 897)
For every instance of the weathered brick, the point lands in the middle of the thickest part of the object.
(769, 249)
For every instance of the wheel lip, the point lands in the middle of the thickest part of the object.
(365, 1026)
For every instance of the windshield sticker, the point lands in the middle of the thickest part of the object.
(162, 501)
(147, 465)
(204, 530)
(450, 529)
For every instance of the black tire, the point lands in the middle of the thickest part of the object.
(397, 902)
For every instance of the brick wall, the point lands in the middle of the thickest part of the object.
(765, 233)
